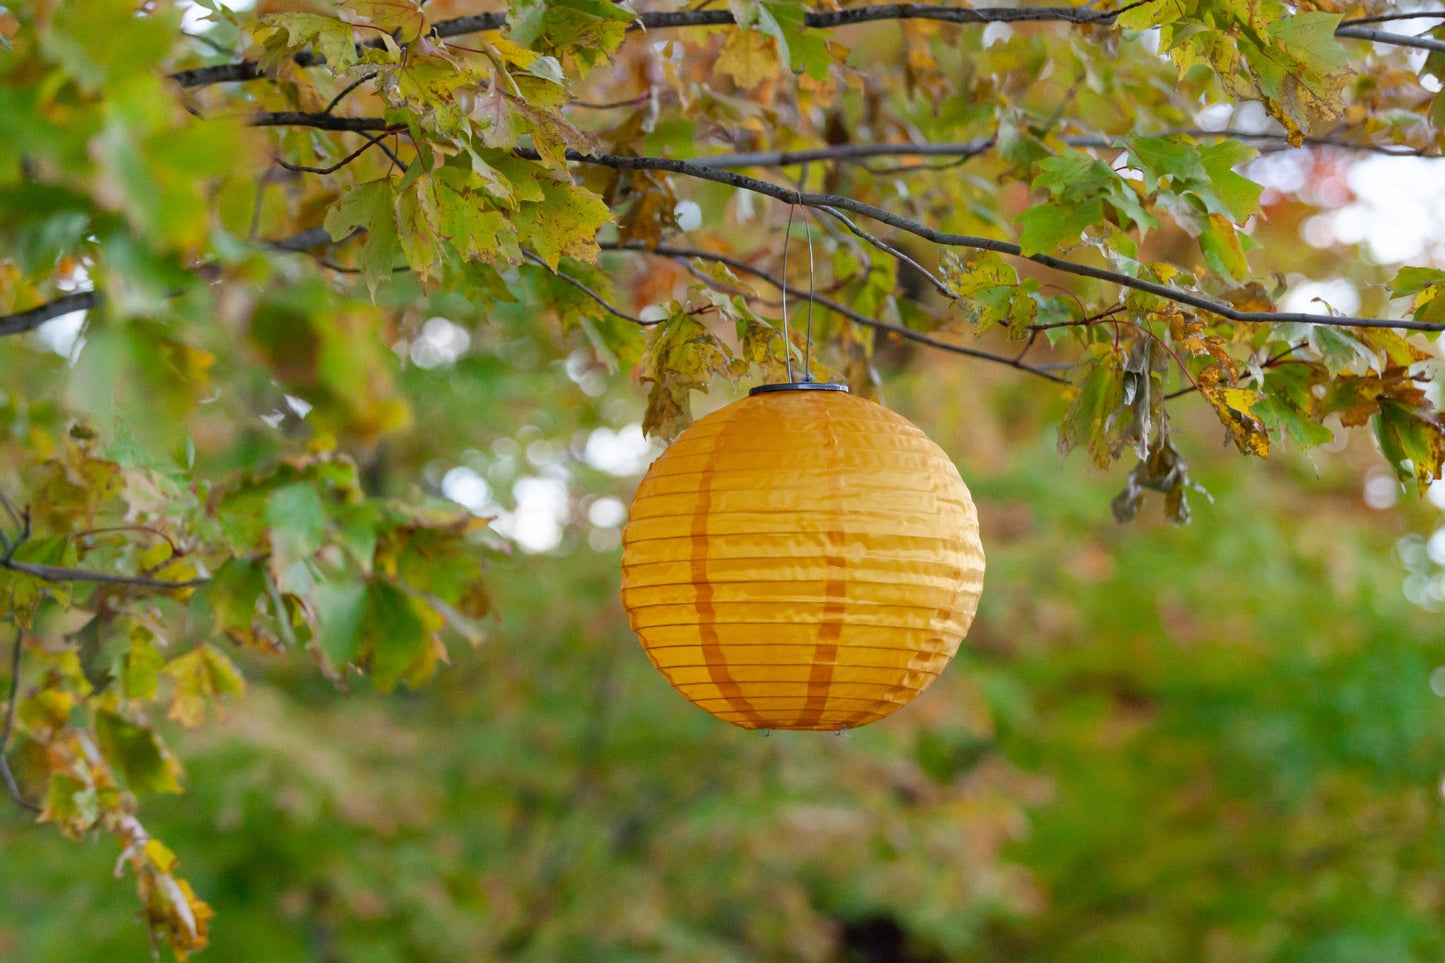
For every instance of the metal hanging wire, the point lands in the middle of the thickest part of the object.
(808, 337)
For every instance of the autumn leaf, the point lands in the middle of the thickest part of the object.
(1097, 395)
(404, 19)
(682, 356)
(563, 223)
(989, 292)
(1412, 439)
(293, 32)
(1234, 406)
(749, 58)
(199, 679)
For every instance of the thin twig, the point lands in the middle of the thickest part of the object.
(1387, 17)
(857, 317)
(894, 252)
(300, 118)
(371, 141)
(346, 90)
(630, 102)
(10, 509)
(607, 306)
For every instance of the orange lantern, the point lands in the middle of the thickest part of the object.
(801, 559)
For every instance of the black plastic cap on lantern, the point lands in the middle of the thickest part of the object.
(802, 559)
(798, 386)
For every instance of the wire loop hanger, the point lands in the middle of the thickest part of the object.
(808, 338)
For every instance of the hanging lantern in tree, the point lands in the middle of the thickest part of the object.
(802, 559)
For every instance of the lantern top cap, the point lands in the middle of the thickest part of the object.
(799, 386)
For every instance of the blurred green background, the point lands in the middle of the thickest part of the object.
(1217, 742)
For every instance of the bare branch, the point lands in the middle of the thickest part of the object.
(846, 153)
(683, 254)
(296, 118)
(1395, 39)
(38, 315)
(58, 573)
(371, 142)
(1388, 17)
(346, 90)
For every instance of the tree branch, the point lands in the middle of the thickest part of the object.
(247, 70)
(296, 118)
(33, 318)
(606, 306)
(846, 153)
(683, 254)
(1395, 39)
(371, 141)
(1388, 17)
(59, 573)
(947, 239)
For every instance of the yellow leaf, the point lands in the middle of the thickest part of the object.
(749, 58)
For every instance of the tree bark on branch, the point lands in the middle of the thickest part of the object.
(247, 70)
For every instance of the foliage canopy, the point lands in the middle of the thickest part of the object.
(282, 285)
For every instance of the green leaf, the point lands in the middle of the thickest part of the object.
(1239, 194)
(396, 637)
(141, 669)
(136, 753)
(1428, 287)
(340, 611)
(1413, 441)
(1221, 247)
(1290, 403)
(368, 207)
(1048, 226)
(1098, 394)
(297, 519)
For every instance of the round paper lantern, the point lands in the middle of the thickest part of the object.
(801, 559)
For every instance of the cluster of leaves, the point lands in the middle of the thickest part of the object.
(295, 560)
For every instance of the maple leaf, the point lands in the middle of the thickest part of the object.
(563, 224)
(989, 292)
(293, 32)
(682, 355)
(1234, 406)
(403, 19)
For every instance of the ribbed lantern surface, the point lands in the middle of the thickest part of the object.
(802, 559)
